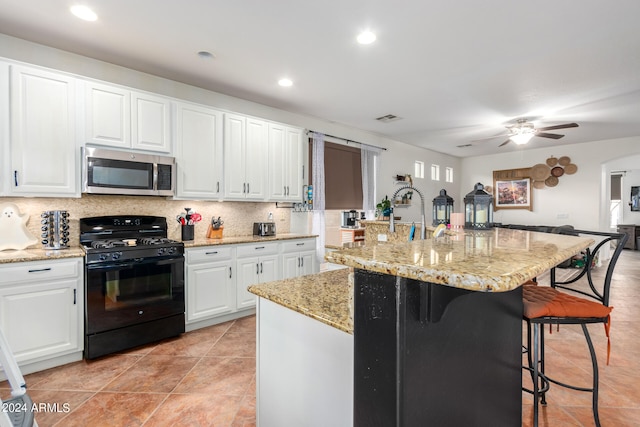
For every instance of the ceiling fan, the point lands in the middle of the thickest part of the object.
(523, 130)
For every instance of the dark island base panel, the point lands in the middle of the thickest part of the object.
(434, 355)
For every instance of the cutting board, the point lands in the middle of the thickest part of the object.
(13, 228)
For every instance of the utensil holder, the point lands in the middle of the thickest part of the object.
(214, 233)
(55, 229)
(187, 232)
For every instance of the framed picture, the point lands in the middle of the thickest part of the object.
(512, 194)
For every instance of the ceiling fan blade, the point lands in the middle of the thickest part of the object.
(549, 135)
(505, 143)
(564, 126)
(502, 135)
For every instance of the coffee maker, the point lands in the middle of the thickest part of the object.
(349, 219)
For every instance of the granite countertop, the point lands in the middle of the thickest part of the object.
(495, 260)
(203, 241)
(39, 254)
(326, 297)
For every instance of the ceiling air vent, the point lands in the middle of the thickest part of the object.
(464, 145)
(388, 118)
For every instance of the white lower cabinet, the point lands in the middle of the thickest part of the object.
(211, 289)
(299, 258)
(42, 309)
(217, 277)
(256, 263)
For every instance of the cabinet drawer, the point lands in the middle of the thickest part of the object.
(257, 249)
(39, 270)
(209, 253)
(298, 245)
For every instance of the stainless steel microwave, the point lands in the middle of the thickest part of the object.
(106, 171)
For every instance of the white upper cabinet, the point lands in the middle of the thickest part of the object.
(245, 152)
(118, 117)
(198, 152)
(285, 163)
(42, 142)
(4, 127)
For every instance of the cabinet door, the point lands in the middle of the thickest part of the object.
(150, 123)
(107, 115)
(294, 164)
(44, 159)
(198, 152)
(235, 185)
(307, 263)
(210, 290)
(278, 168)
(248, 273)
(42, 320)
(290, 265)
(256, 159)
(269, 270)
(4, 128)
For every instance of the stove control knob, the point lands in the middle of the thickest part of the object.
(116, 255)
(171, 250)
(161, 251)
(103, 257)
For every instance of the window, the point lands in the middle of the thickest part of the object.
(418, 171)
(448, 172)
(435, 172)
(342, 176)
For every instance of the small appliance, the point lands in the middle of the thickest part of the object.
(349, 219)
(264, 229)
(106, 171)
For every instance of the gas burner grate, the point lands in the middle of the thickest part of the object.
(153, 240)
(103, 244)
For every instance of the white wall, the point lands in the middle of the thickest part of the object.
(399, 157)
(580, 199)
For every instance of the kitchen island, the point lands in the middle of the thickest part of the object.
(437, 328)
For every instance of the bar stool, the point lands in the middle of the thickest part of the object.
(548, 305)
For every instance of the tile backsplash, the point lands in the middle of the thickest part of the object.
(238, 217)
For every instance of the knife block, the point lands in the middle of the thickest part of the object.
(214, 233)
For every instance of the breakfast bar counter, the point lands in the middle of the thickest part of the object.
(437, 328)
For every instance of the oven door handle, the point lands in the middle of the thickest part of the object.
(134, 263)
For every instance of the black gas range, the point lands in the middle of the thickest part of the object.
(134, 280)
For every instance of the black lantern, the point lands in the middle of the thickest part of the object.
(478, 208)
(442, 208)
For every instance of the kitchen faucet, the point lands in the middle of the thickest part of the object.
(392, 227)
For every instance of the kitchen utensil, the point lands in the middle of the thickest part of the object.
(216, 223)
(55, 229)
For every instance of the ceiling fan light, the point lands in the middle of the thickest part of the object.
(521, 138)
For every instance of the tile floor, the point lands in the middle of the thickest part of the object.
(207, 377)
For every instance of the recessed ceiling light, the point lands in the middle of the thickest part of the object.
(366, 37)
(285, 82)
(203, 54)
(83, 12)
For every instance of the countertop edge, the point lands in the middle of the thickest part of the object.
(317, 296)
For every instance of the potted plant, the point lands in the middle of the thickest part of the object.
(383, 208)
